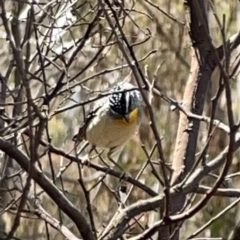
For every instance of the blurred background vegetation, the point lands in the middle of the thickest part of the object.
(164, 39)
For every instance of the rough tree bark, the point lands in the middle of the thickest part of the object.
(202, 66)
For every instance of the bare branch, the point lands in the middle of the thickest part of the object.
(65, 205)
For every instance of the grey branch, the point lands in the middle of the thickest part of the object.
(64, 204)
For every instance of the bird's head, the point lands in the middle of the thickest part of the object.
(126, 103)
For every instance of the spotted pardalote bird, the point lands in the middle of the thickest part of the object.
(115, 120)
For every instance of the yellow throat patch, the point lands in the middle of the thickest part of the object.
(132, 117)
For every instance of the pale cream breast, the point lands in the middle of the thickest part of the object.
(109, 133)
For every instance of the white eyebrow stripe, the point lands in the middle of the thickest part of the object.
(127, 98)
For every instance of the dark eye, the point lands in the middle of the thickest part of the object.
(130, 103)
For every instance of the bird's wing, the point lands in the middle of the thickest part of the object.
(82, 130)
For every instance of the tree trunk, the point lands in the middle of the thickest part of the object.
(193, 101)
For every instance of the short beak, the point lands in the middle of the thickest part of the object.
(126, 117)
